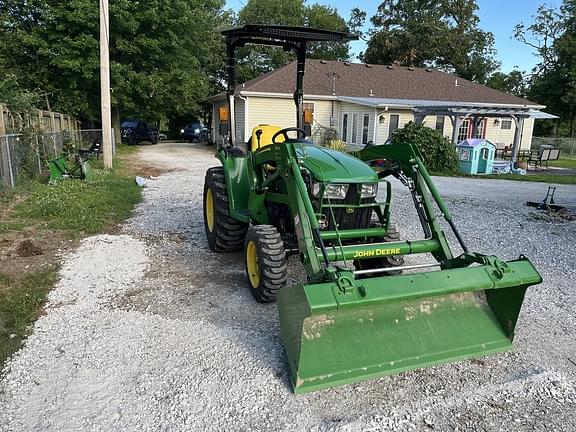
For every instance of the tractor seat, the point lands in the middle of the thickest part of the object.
(262, 136)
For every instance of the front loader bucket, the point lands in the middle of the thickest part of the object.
(399, 323)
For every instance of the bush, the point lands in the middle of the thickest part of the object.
(438, 152)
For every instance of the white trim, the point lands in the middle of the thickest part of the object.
(417, 103)
(285, 95)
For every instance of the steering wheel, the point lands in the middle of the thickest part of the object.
(300, 134)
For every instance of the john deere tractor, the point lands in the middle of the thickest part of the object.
(362, 312)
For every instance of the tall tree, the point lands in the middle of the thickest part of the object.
(162, 53)
(552, 34)
(252, 63)
(513, 82)
(442, 34)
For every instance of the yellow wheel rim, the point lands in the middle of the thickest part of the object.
(252, 264)
(209, 210)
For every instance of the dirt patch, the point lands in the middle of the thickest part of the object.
(32, 249)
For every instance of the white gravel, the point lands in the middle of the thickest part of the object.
(149, 331)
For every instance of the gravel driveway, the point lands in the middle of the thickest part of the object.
(149, 331)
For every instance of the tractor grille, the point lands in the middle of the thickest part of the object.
(349, 217)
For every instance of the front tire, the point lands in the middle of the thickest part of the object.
(154, 139)
(224, 233)
(266, 265)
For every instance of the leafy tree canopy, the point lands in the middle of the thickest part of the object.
(254, 62)
(513, 82)
(442, 34)
(162, 53)
(552, 34)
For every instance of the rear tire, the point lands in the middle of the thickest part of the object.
(154, 139)
(383, 262)
(266, 265)
(224, 233)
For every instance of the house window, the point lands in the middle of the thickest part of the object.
(463, 131)
(480, 129)
(394, 121)
(506, 124)
(354, 139)
(365, 126)
(440, 124)
(345, 128)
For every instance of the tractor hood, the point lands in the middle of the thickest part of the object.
(334, 166)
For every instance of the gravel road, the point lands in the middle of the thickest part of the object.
(149, 331)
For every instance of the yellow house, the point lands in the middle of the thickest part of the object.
(365, 103)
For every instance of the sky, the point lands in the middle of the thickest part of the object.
(496, 16)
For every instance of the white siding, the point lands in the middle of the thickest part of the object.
(282, 112)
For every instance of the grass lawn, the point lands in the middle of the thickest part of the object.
(564, 162)
(21, 299)
(543, 178)
(70, 209)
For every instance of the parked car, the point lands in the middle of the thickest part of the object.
(162, 136)
(195, 131)
(135, 131)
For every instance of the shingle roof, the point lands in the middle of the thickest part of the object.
(381, 81)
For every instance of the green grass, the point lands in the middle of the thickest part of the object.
(21, 301)
(81, 207)
(542, 178)
(10, 226)
(125, 149)
(564, 162)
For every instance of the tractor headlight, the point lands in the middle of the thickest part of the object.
(336, 191)
(332, 191)
(369, 190)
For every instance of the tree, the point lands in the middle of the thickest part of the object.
(553, 80)
(442, 34)
(252, 63)
(513, 82)
(163, 61)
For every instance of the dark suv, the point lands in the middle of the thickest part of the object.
(134, 131)
(195, 131)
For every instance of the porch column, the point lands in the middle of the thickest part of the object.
(519, 122)
(456, 123)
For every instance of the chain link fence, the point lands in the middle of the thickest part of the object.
(566, 145)
(27, 156)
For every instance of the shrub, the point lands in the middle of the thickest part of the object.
(438, 152)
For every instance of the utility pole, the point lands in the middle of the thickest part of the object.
(105, 84)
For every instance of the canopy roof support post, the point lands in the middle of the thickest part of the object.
(300, 49)
(456, 123)
(231, 46)
(519, 122)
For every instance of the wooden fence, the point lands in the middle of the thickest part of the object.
(47, 121)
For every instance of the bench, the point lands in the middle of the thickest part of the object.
(545, 154)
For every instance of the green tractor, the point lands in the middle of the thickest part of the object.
(362, 313)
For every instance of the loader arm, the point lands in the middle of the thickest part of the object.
(344, 329)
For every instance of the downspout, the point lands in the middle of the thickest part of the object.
(375, 126)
